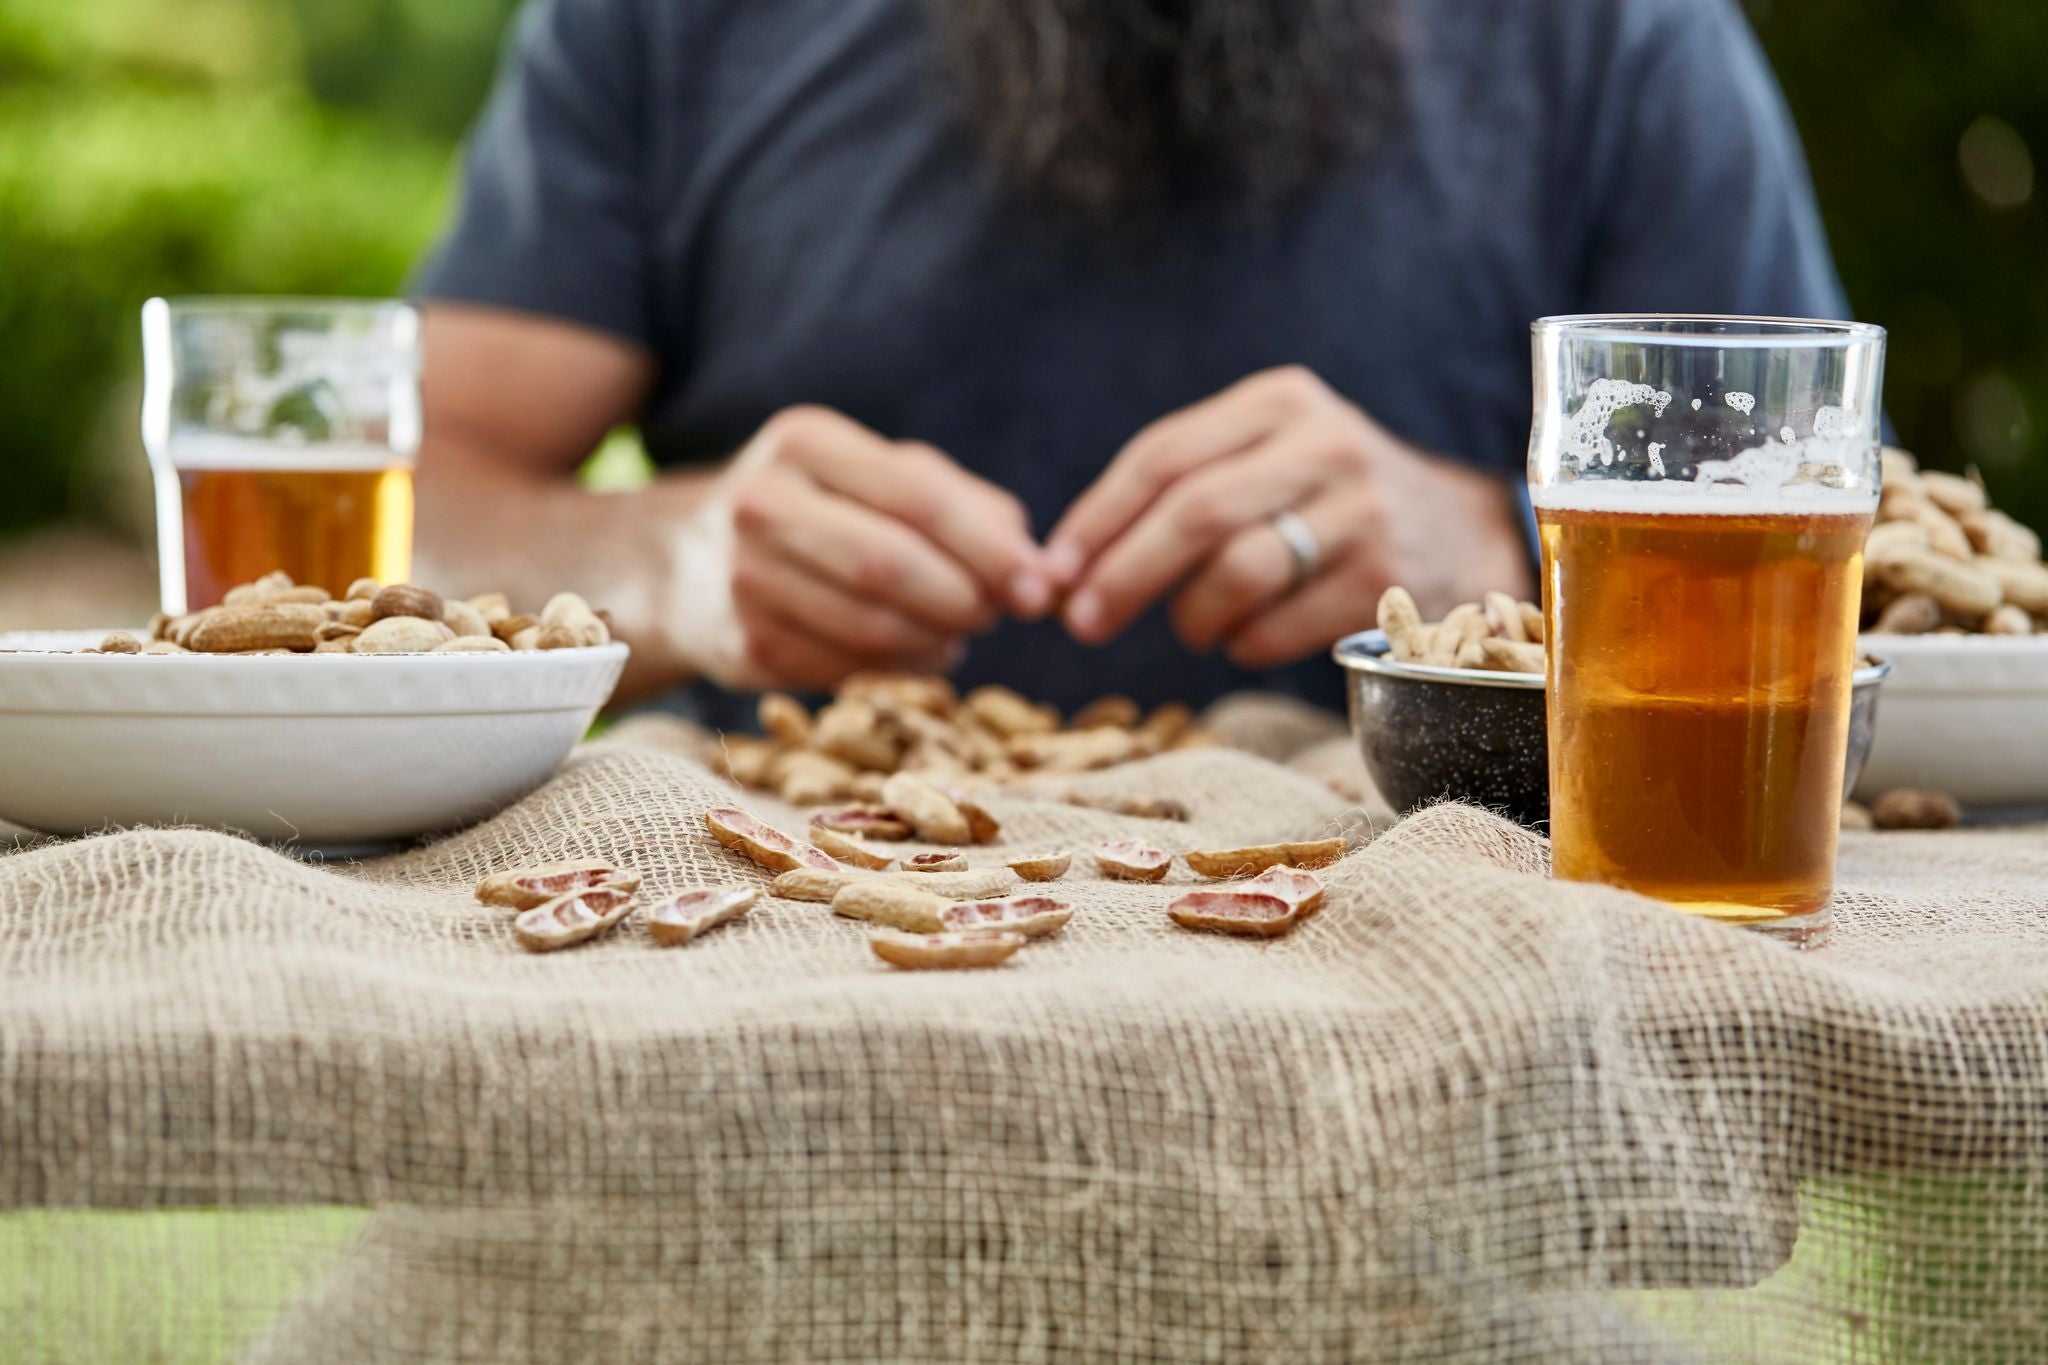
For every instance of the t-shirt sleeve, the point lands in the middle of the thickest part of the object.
(1697, 197)
(551, 217)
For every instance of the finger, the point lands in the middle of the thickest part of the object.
(871, 555)
(765, 583)
(1194, 519)
(786, 655)
(1256, 569)
(1232, 420)
(980, 525)
(1328, 607)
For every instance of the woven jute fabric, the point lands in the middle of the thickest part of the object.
(1464, 1114)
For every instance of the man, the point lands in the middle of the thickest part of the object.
(1225, 299)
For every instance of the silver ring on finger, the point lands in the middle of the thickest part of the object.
(1302, 546)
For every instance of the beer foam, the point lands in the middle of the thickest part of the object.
(1585, 437)
(211, 450)
(1675, 498)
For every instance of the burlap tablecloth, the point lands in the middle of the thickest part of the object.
(1464, 1114)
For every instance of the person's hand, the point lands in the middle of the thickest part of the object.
(839, 550)
(1191, 503)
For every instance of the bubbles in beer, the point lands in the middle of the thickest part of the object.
(1744, 403)
(1586, 435)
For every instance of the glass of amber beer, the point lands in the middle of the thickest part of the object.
(1702, 487)
(282, 435)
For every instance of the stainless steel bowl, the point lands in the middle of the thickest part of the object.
(1459, 734)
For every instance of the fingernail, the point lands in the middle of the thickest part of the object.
(1084, 613)
(1063, 562)
(1030, 593)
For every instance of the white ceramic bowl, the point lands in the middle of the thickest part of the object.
(321, 749)
(1964, 714)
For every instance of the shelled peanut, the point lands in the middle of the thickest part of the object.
(1940, 558)
(274, 615)
(881, 725)
(1498, 633)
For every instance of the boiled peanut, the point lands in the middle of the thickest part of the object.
(873, 822)
(1234, 912)
(567, 622)
(1914, 613)
(2007, 619)
(938, 952)
(784, 717)
(234, 630)
(472, 644)
(466, 621)
(401, 635)
(746, 833)
(1504, 616)
(2023, 585)
(1964, 589)
(933, 814)
(951, 860)
(522, 888)
(335, 630)
(492, 606)
(1029, 915)
(1074, 751)
(363, 590)
(1240, 862)
(1302, 890)
(1115, 710)
(816, 884)
(687, 914)
(505, 627)
(528, 639)
(880, 900)
(120, 642)
(1132, 860)
(1009, 714)
(357, 613)
(1532, 623)
(1402, 624)
(850, 850)
(1995, 534)
(853, 730)
(805, 778)
(1464, 624)
(172, 647)
(1951, 492)
(1166, 724)
(406, 599)
(1040, 867)
(571, 919)
(905, 691)
(1507, 656)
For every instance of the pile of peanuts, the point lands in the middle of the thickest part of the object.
(878, 725)
(1941, 559)
(274, 615)
(1498, 633)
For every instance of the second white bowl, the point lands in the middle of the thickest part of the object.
(322, 749)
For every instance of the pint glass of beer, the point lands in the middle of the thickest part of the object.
(1702, 488)
(282, 435)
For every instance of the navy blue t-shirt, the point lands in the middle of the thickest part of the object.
(779, 200)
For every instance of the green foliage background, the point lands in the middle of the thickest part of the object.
(279, 146)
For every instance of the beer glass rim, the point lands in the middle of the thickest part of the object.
(1717, 330)
(236, 304)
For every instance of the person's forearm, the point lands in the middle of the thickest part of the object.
(483, 527)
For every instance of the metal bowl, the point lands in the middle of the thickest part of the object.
(1458, 734)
